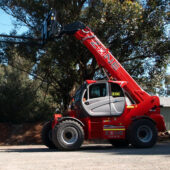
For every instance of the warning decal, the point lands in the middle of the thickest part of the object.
(113, 128)
(114, 132)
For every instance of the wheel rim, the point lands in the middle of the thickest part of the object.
(69, 135)
(144, 133)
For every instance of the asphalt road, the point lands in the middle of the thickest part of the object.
(89, 157)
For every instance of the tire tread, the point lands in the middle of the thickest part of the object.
(56, 135)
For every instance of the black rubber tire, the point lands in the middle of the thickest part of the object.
(142, 133)
(119, 143)
(68, 135)
(45, 135)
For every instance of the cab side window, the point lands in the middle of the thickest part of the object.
(97, 90)
(116, 90)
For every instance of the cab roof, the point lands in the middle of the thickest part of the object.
(121, 83)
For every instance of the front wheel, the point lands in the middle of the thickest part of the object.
(68, 135)
(142, 133)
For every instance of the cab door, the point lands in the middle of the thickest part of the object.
(98, 100)
(117, 99)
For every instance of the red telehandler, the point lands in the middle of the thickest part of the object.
(116, 110)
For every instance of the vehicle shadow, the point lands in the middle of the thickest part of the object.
(158, 149)
(27, 150)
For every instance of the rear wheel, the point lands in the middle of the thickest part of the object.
(142, 133)
(68, 135)
(119, 143)
(46, 135)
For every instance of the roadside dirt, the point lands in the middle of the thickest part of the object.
(30, 133)
(27, 133)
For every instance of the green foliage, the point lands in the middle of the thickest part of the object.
(20, 101)
(135, 34)
(167, 85)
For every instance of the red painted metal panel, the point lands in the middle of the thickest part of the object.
(145, 105)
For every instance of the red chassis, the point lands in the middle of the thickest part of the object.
(145, 107)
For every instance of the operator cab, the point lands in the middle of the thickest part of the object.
(100, 98)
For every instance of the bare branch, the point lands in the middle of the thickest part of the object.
(20, 37)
